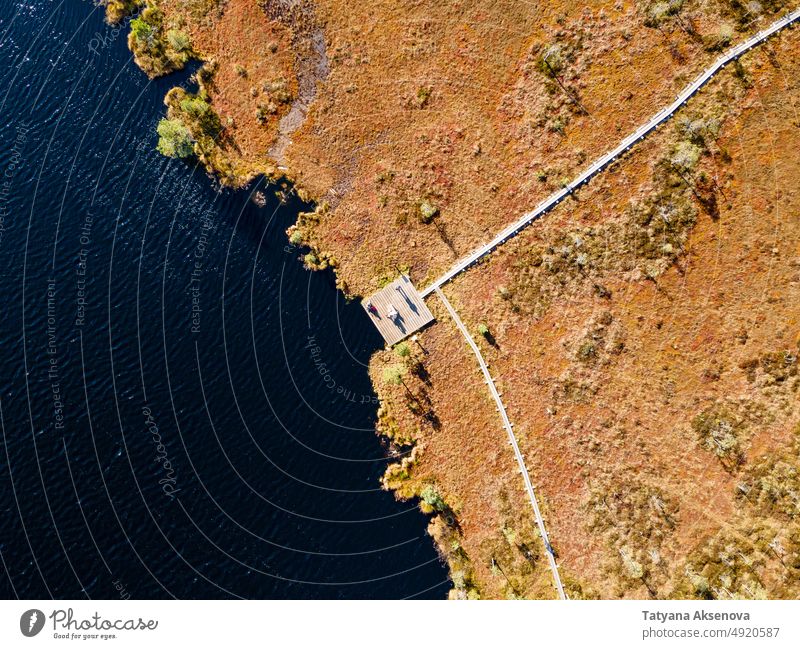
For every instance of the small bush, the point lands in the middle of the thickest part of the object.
(432, 498)
(657, 13)
(720, 40)
(699, 131)
(278, 90)
(553, 60)
(201, 115)
(780, 365)
(178, 40)
(423, 96)
(685, 155)
(393, 375)
(174, 139)
(587, 351)
(773, 486)
(116, 10)
(427, 211)
(719, 432)
(264, 111)
(157, 52)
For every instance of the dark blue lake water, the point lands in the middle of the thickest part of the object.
(186, 411)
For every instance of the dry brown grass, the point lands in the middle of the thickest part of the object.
(447, 103)
(690, 339)
(463, 450)
(250, 57)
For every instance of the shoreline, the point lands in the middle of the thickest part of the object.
(279, 176)
(421, 200)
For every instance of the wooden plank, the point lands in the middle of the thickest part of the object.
(412, 312)
(511, 438)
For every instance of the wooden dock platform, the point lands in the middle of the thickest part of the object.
(400, 298)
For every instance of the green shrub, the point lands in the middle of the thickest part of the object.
(178, 40)
(553, 60)
(194, 106)
(200, 114)
(685, 155)
(393, 375)
(157, 52)
(423, 96)
(427, 211)
(142, 30)
(174, 139)
(432, 498)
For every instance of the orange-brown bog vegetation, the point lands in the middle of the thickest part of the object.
(644, 335)
(653, 375)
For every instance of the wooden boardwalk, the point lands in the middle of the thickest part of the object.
(402, 297)
(655, 122)
(512, 440)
